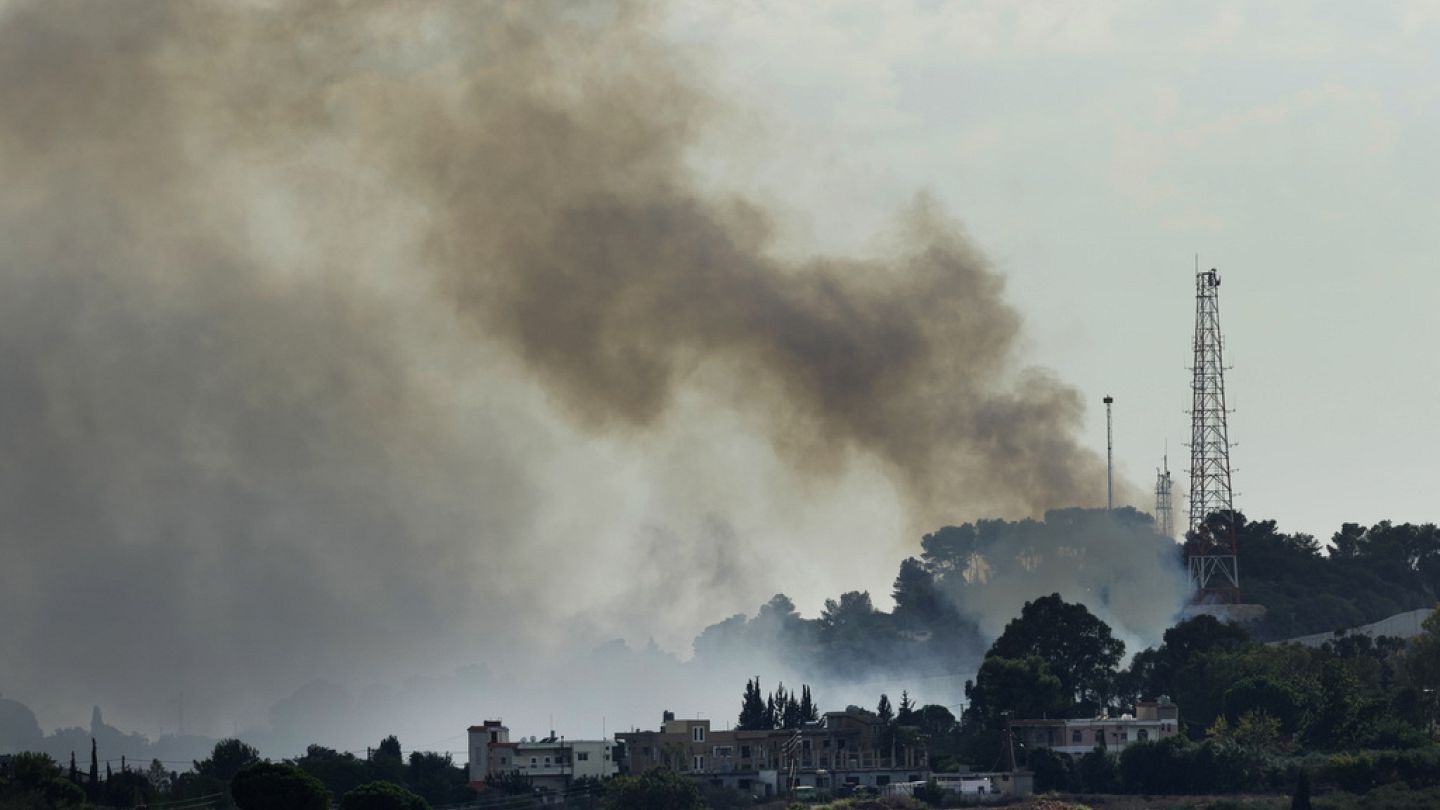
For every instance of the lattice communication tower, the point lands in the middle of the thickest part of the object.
(1164, 514)
(1210, 539)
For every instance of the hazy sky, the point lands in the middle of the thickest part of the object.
(1093, 149)
(381, 338)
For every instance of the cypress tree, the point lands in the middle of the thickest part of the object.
(94, 771)
(792, 712)
(809, 712)
(752, 708)
(74, 772)
(782, 706)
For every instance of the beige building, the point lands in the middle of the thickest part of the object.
(843, 748)
(1153, 720)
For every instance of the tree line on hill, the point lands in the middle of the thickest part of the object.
(1355, 714)
(235, 775)
(1115, 560)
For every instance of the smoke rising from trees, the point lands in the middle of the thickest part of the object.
(344, 337)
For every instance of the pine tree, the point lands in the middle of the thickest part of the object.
(158, 777)
(906, 712)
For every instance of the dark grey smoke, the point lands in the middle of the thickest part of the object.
(291, 296)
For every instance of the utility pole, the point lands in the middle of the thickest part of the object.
(1109, 457)
(1210, 547)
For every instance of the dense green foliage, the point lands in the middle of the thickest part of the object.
(659, 789)
(1354, 713)
(382, 796)
(35, 780)
(277, 786)
(1369, 574)
(1074, 645)
(234, 776)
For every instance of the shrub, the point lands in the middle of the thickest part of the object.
(382, 796)
(277, 786)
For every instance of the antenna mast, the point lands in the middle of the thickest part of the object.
(1210, 537)
(1164, 515)
(1109, 457)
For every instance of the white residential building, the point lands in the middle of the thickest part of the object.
(551, 763)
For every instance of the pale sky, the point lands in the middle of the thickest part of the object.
(1092, 150)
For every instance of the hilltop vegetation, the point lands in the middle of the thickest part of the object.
(972, 578)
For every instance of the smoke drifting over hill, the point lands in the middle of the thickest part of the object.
(374, 338)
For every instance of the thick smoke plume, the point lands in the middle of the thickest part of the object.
(332, 334)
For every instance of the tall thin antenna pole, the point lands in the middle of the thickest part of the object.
(1164, 515)
(1109, 456)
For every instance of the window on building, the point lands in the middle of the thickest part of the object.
(882, 780)
(547, 760)
(645, 751)
(697, 734)
(724, 751)
(533, 761)
(504, 761)
(1124, 736)
(583, 756)
(840, 743)
(494, 736)
(1075, 736)
(744, 752)
(1142, 734)
(698, 764)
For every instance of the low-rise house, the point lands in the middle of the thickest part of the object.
(989, 785)
(552, 763)
(1153, 720)
(842, 748)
